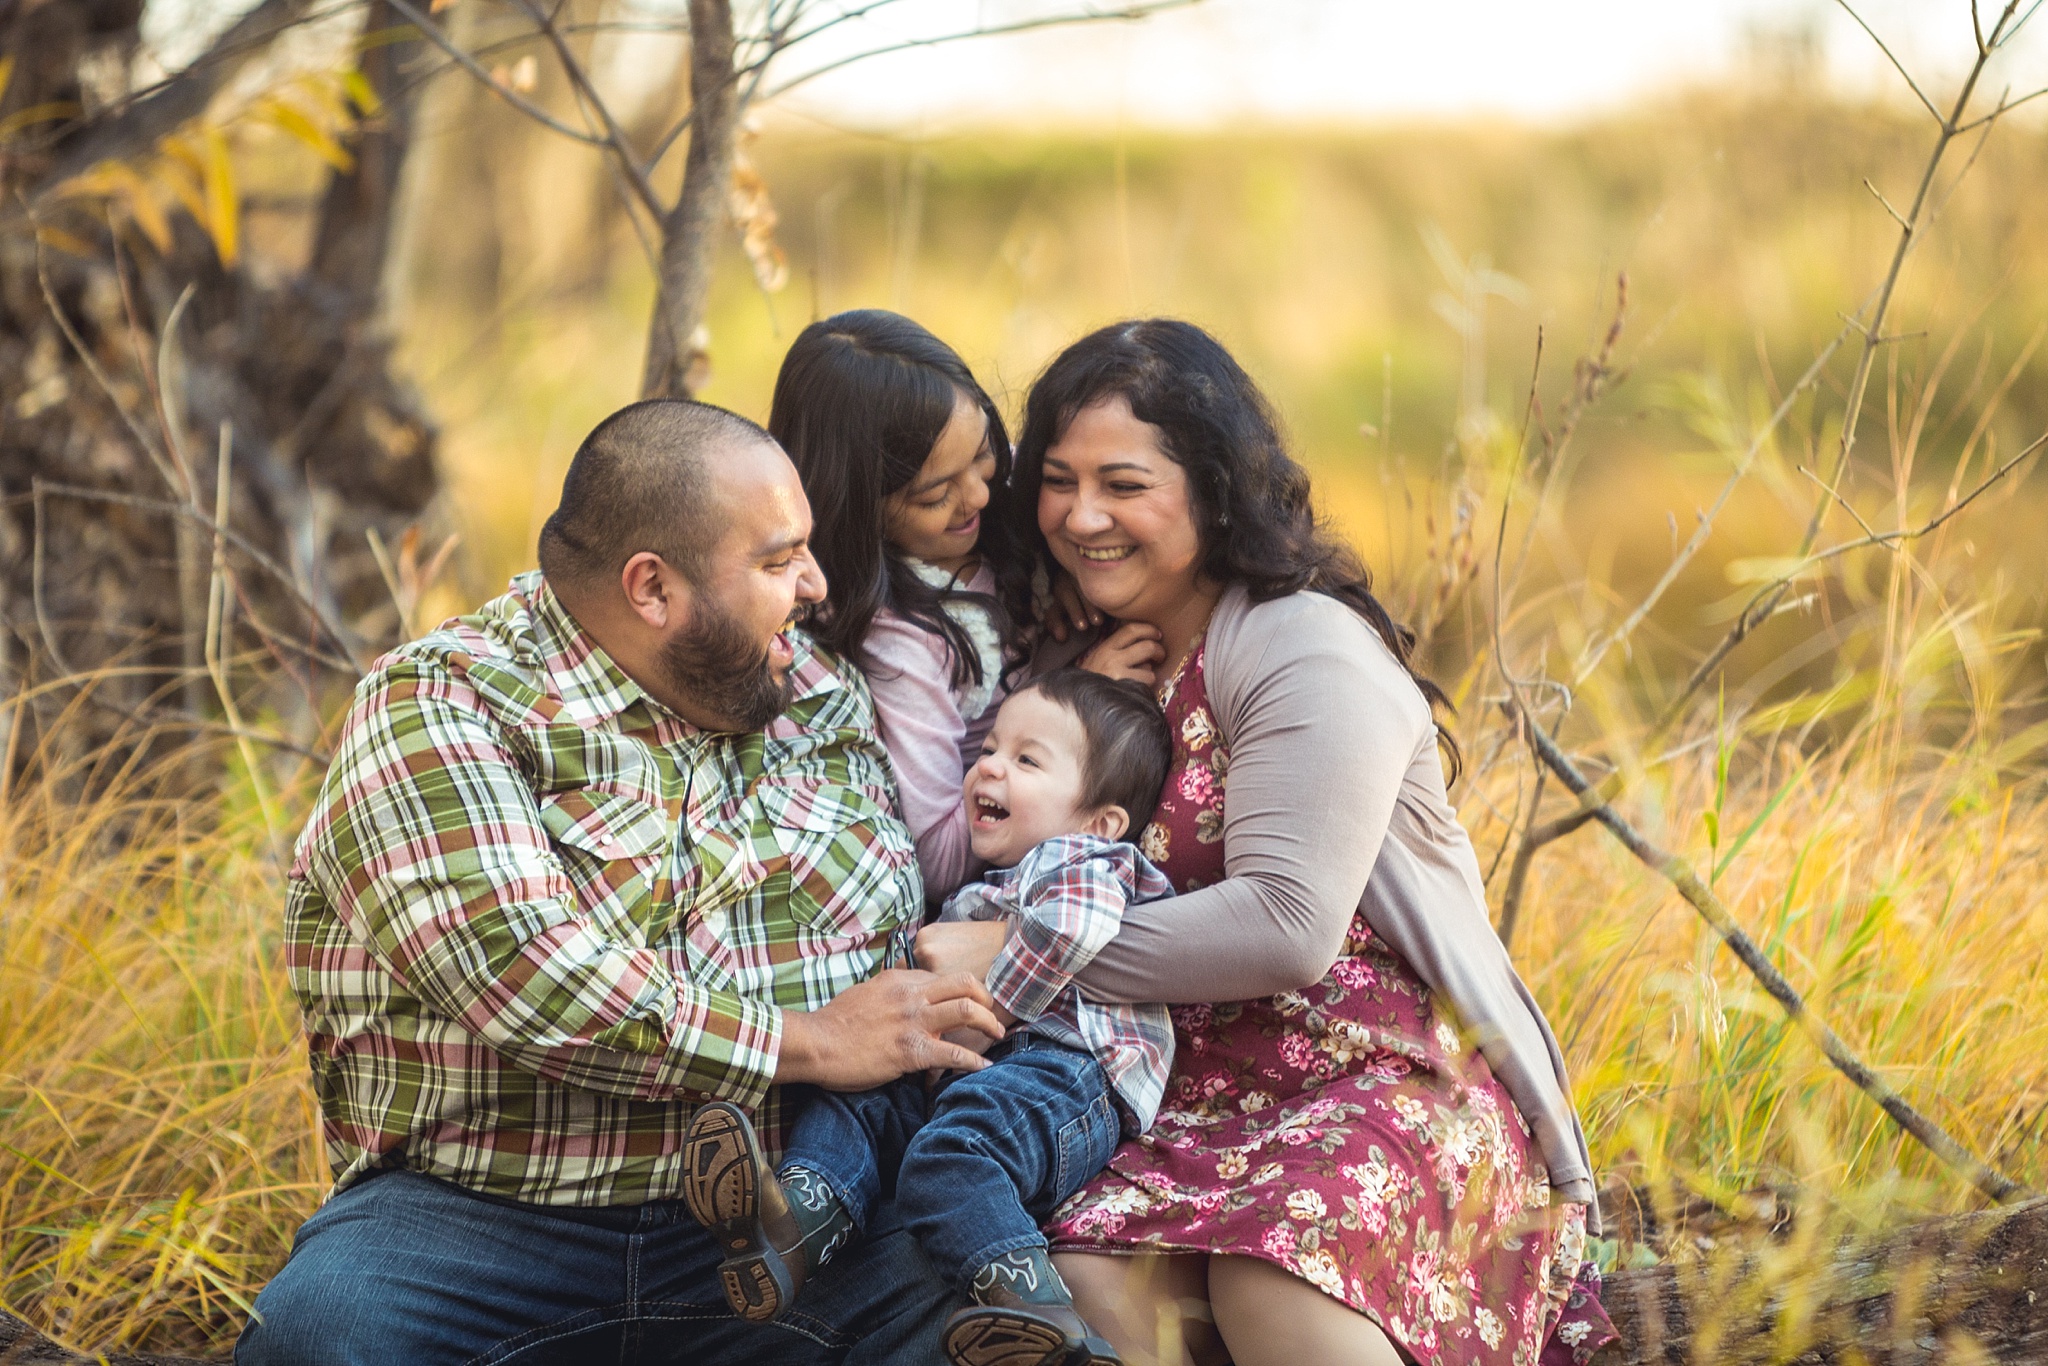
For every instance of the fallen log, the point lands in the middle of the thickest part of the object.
(1971, 1287)
(22, 1345)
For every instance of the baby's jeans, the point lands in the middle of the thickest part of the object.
(976, 1167)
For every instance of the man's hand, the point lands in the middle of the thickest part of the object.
(891, 1024)
(964, 946)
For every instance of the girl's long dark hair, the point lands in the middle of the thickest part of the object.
(862, 398)
(1250, 500)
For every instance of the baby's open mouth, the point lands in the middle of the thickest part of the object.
(988, 812)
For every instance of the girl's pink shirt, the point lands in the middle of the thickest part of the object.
(910, 672)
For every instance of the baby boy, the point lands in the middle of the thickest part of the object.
(1073, 765)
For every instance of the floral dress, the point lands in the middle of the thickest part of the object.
(1345, 1133)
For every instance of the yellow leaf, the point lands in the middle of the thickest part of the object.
(121, 183)
(178, 176)
(362, 92)
(148, 214)
(63, 241)
(294, 122)
(37, 113)
(6, 72)
(223, 213)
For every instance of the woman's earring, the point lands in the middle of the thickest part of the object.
(1222, 519)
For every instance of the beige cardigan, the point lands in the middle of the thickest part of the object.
(1336, 801)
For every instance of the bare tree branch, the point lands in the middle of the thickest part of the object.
(1910, 233)
(614, 136)
(1697, 541)
(1674, 870)
(1765, 603)
(1899, 66)
(1128, 13)
(2005, 107)
(432, 33)
(690, 230)
(138, 125)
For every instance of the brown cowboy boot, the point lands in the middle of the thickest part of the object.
(770, 1247)
(1022, 1315)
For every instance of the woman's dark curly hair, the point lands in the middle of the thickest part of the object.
(1250, 499)
(861, 400)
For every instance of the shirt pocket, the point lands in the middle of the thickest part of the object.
(612, 850)
(841, 855)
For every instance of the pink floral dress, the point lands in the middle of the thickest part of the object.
(1345, 1133)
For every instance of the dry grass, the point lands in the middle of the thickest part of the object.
(1868, 793)
(157, 1140)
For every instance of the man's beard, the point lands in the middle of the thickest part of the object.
(716, 664)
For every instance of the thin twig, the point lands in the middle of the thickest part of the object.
(35, 582)
(1697, 541)
(1130, 13)
(270, 566)
(2004, 107)
(432, 32)
(1674, 870)
(100, 376)
(614, 137)
(1897, 65)
(1852, 414)
(216, 611)
(1897, 217)
(1764, 605)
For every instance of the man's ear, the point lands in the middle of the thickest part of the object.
(654, 591)
(1109, 822)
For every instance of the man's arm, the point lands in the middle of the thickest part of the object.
(430, 847)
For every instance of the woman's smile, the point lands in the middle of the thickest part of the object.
(1106, 554)
(1115, 510)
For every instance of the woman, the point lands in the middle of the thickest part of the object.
(1368, 1151)
(905, 462)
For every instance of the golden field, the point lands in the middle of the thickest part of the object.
(1866, 790)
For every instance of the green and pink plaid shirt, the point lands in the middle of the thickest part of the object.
(535, 915)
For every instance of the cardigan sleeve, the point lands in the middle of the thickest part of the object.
(1322, 725)
(923, 730)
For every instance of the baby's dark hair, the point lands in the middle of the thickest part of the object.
(1130, 745)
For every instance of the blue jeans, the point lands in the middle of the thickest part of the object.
(405, 1268)
(974, 1169)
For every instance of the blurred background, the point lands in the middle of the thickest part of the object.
(1376, 206)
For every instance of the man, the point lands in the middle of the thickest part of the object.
(618, 843)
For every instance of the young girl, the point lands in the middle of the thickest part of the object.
(906, 464)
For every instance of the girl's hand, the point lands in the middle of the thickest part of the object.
(1068, 611)
(968, 946)
(1133, 650)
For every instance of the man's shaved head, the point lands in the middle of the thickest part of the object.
(645, 479)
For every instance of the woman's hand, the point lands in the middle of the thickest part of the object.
(968, 946)
(1068, 612)
(1133, 650)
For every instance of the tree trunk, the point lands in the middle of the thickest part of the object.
(692, 230)
(327, 443)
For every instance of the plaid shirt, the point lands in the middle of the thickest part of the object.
(536, 914)
(1068, 898)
